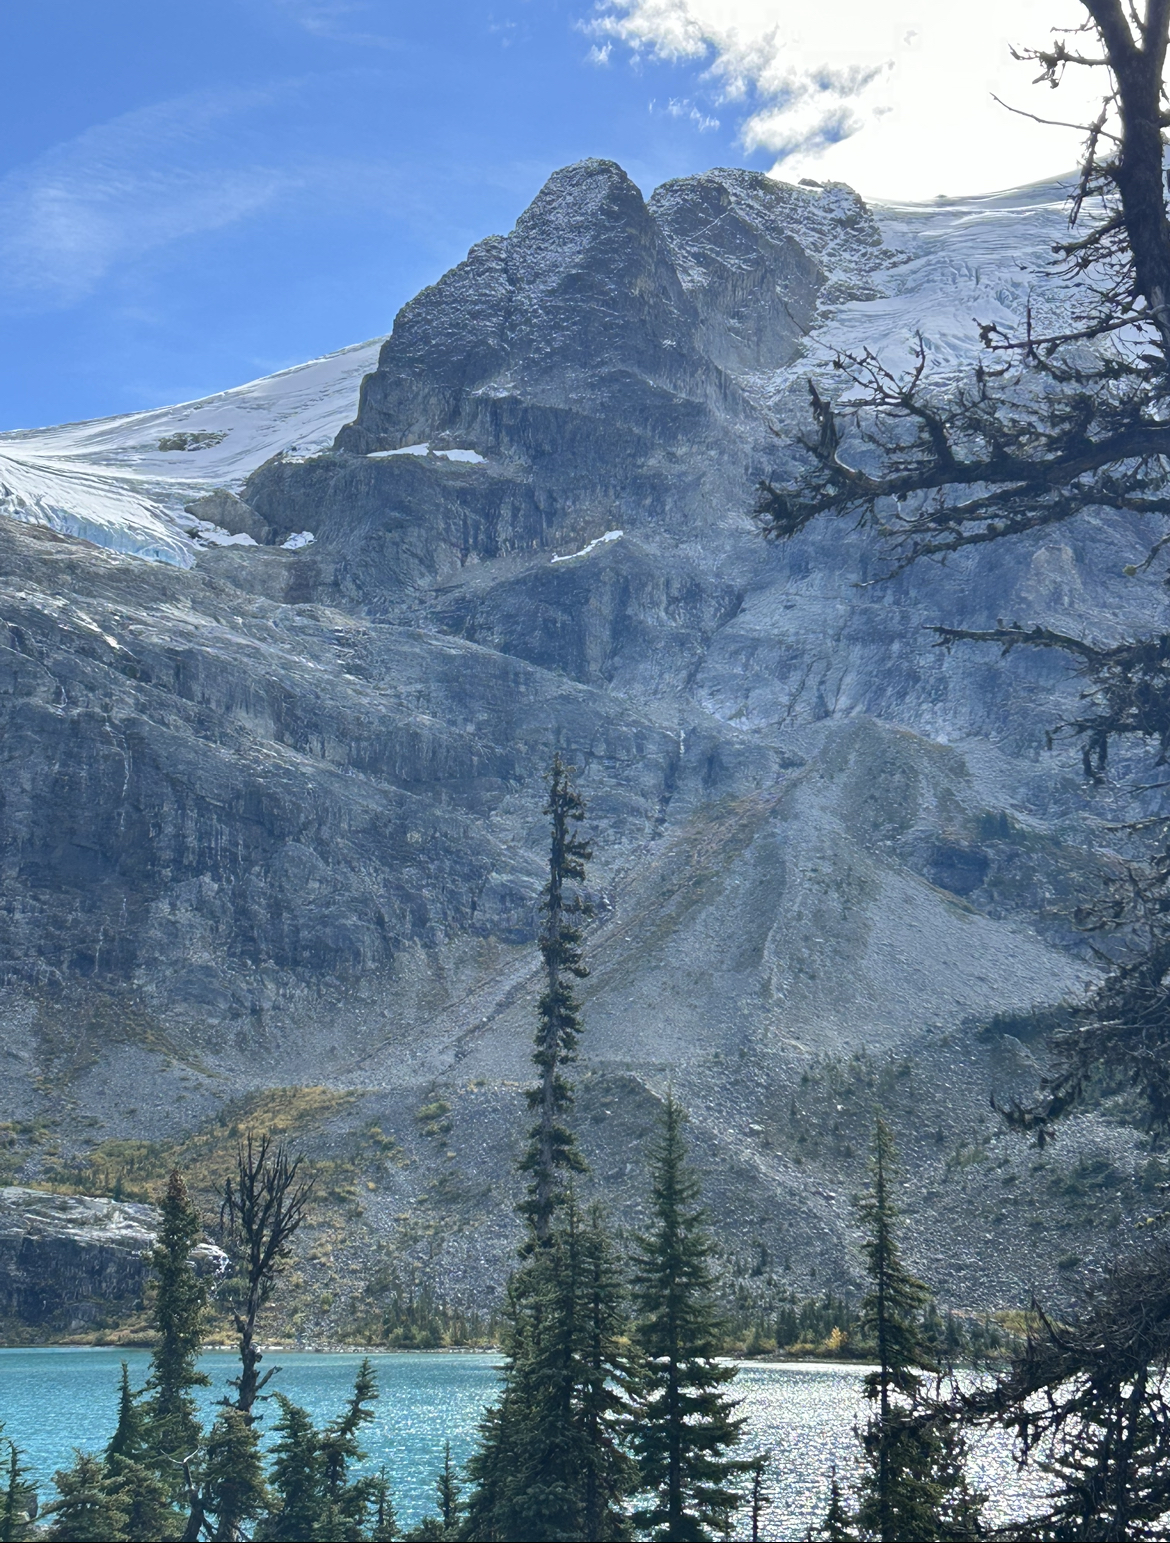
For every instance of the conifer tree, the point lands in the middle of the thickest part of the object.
(88, 1509)
(448, 1490)
(131, 1476)
(685, 1424)
(552, 1150)
(129, 1438)
(346, 1501)
(179, 1311)
(383, 1522)
(233, 1483)
(146, 1499)
(295, 1477)
(606, 1382)
(550, 1463)
(18, 1506)
(912, 1485)
(838, 1525)
(446, 1524)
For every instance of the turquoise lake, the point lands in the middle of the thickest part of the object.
(53, 1400)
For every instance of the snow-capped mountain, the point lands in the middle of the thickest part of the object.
(271, 808)
(123, 482)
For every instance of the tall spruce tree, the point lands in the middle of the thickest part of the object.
(346, 1499)
(449, 1494)
(234, 1492)
(552, 1151)
(180, 1306)
(131, 1477)
(912, 1486)
(296, 1508)
(18, 1500)
(550, 1462)
(129, 1438)
(685, 1424)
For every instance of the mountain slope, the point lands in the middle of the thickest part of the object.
(272, 812)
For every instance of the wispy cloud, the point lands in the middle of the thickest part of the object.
(687, 110)
(894, 95)
(123, 188)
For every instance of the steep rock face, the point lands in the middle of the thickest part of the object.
(71, 1262)
(277, 819)
(752, 283)
(578, 311)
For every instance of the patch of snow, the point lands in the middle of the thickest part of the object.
(295, 543)
(470, 456)
(384, 455)
(216, 536)
(610, 535)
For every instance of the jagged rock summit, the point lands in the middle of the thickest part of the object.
(274, 818)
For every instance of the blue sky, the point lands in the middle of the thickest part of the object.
(195, 195)
(192, 196)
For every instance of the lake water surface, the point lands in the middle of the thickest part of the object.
(52, 1400)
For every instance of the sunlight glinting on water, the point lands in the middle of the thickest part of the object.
(52, 1400)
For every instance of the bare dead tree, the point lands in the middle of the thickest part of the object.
(262, 1210)
(1064, 418)
(1086, 1398)
(1048, 425)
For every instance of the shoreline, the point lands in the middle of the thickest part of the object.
(773, 1358)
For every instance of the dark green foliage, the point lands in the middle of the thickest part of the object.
(838, 1525)
(145, 1498)
(129, 1438)
(383, 1522)
(179, 1311)
(447, 1524)
(18, 1502)
(346, 1500)
(88, 1508)
(403, 1312)
(552, 1150)
(808, 1323)
(233, 1482)
(448, 1490)
(912, 1484)
(550, 1463)
(1085, 1402)
(684, 1424)
(133, 1478)
(310, 1481)
(295, 1477)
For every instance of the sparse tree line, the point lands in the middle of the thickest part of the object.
(616, 1416)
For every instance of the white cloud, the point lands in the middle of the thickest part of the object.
(122, 189)
(892, 96)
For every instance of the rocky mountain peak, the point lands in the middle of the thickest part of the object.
(274, 819)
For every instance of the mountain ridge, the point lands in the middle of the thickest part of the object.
(272, 813)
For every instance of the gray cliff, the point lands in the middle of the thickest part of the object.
(276, 820)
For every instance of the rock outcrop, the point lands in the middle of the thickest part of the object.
(75, 1263)
(277, 818)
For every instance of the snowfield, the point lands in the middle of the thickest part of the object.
(112, 481)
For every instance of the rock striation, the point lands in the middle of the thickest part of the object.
(76, 1263)
(275, 818)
